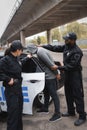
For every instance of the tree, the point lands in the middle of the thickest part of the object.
(79, 28)
(55, 34)
(38, 40)
(34, 40)
(74, 27)
(43, 39)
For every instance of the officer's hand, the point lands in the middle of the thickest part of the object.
(54, 67)
(11, 82)
(58, 76)
(39, 45)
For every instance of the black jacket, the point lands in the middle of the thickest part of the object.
(71, 56)
(11, 67)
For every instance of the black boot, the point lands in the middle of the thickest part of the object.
(67, 114)
(79, 122)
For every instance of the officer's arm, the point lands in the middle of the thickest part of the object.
(3, 76)
(73, 63)
(54, 48)
(25, 59)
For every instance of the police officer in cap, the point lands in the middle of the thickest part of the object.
(72, 56)
(10, 74)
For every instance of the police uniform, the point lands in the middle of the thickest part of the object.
(72, 56)
(11, 68)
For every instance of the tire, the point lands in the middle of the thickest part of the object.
(3, 116)
(39, 100)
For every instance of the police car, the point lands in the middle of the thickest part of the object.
(32, 86)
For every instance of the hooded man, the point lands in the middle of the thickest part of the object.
(51, 75)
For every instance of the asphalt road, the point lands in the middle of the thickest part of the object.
(41, 121)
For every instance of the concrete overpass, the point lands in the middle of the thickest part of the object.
(35, 16)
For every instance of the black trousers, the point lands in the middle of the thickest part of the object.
(74, 93)
(50, 90)
(14, 109)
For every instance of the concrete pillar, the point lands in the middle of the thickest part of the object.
(7, 43)
(22, 37)
(49, 37)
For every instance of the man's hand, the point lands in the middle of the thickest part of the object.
(54, 67)
(11, 82)
(29, 56)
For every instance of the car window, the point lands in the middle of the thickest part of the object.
(31, 66)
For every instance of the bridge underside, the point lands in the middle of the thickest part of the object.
(35, 16)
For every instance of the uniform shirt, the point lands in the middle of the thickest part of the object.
(10, 67)
(71, 56)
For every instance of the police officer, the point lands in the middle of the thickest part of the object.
(72, 56)
(10, 74)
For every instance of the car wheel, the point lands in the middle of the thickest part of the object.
(39, 100)
(3, 116)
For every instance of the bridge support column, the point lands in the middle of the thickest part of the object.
(22, 37)
(49, 37)
(7, 43)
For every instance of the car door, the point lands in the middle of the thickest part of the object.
(32, 84)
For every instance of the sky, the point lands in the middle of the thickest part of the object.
(6, 7)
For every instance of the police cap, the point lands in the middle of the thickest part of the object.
(71, 36)
(16, 45)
